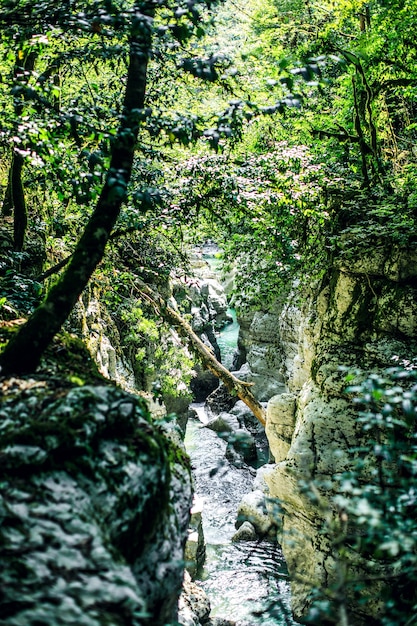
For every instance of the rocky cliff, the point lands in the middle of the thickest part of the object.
(362, 316)
(139, 353)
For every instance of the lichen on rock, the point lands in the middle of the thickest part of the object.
(94, 508)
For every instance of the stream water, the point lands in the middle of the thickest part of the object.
(245, 581)
(227, 339)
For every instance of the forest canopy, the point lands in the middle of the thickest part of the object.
(286, 132)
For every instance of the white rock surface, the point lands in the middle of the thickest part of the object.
(252, 508)
(246, 532)
(362, 318)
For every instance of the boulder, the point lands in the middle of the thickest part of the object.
(195, 548)
(248, 421)
(94, 503)
(246, 418)
(194, 605)
(252, 508)
(246, 532)
(223, 423)
(240, 443)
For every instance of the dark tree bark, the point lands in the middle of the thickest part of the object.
(363, 146)
(23, 353)
(7, 206)
(14, 200)
(17, 194)
(238, 387)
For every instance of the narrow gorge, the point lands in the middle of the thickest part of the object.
(296, 353)
(263, 503)
(208, 313)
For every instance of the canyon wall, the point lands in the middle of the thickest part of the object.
(115, 338)
(362, 316)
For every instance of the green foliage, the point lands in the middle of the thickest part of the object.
(358, 92)
(376, 503)
(286, 54)
(265, 211)
(68, 104)
(174, 370)
(377, 219)
(159, 363)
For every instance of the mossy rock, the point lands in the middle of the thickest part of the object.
(94, 506)
(67, 356)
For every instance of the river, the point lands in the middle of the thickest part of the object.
(227, 339)
(245, 581)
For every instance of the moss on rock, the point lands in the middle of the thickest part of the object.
(90, 534)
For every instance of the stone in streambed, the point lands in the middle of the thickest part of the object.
(194, 605)
(241, 445)
(195, 547)
(252, 508)
(225, 422)
(246, 532)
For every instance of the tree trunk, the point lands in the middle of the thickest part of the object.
(233, 384)
(23, 353)
(14, 202)
(20, 218)
(7, 206)
(16, 192)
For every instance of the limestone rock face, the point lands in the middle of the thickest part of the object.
(101, 336)
(264, 357)
(280, 424)
(94, 503)
(362, 317)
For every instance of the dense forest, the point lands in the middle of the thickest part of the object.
(283, 131)
(287, 131)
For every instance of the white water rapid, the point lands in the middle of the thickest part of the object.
(246, 582)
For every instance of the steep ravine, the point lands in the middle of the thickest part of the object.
(246, 581)
(253, 572)
(361, 316)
